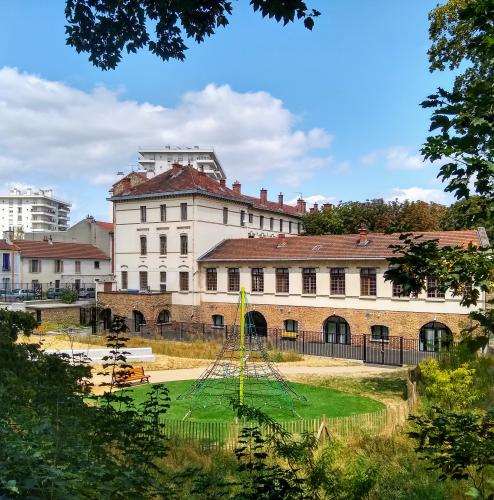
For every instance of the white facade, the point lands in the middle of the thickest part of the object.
(33, 211)
(160, 159)
(383, 300)
(204, 228)
(59, 271)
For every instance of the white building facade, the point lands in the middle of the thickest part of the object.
(160, 159)
(33, 211)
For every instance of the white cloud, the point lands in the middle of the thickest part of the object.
(395, 158)
(50, 127)
(417, 193)
(104, 179)
(313, 198)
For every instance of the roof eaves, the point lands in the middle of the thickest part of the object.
(274, 259)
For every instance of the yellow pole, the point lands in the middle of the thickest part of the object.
(242, 345)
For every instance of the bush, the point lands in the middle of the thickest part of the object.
(68, 296)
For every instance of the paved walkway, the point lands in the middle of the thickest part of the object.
(287, 371)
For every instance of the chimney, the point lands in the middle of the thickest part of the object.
(264, 196)
(8, 236)
(300, 206)
(222, 183)
(304, 204)
(316, 207)
(176, 168)
(236, 187)
(280, 200)
(363, 232)
(327, 206)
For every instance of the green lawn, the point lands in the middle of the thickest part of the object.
(320, 401)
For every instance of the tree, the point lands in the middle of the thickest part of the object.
(104, 28)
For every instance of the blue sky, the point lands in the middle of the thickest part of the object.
(333, 113)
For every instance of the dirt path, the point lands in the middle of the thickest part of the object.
(287, 371)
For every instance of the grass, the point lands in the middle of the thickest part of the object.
(320, 401)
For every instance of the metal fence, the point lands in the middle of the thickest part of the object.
(397, 351)
(25, 292)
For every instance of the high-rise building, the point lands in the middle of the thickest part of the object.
(30, 210)
(161, 159)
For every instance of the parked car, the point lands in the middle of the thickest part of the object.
(87, 293)
(22, 294)
(53, 293)
(5, 294)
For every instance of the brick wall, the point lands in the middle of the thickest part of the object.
(60, 315)
(403, 324)
(122, 303)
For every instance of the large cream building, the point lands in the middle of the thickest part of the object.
(185, 243)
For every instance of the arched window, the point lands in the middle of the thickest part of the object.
(255, 323)
(379, 332)
(139, 320)
(164, 316)
(336, 330)
(435, 337)
(218, 320)
(291, 326)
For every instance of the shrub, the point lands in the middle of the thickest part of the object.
(68, 296)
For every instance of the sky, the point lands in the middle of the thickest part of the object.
(333, 114)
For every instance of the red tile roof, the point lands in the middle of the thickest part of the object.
(59, 250)
(7, 246)
(187, 179)
(325, 247)
(107, 226)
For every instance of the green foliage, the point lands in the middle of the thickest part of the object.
(105, 28)
(68, 296)
(54, 445)
(460, 446)
(377, 215)
(451, 389)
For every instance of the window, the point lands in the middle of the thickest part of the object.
(281, 225)
(251, 218)
(184, 244)
(124, 277)
(218, 320)
(183, 211)
(58, 266)
(184, 281)
(143, 280)
(290, 227)
(6, 262)
(233, 279)
(162, 281)
(143, 214)
(225, 215)
(257, 274)
(368, 282)
(291, 325)
(242, 217)
(78, 266)
(144, 245)
(309, 280)
(433, 290)
(77, 284)
(162, 244)
(35, 266)
(298, 227)
(282, 280)
(435, 337)
(397, 290)
(380, 332)
(5, 283)
(336, 330)
(164, 316)
(337, 281)
(96, 264)
(57, 283)
(163, 213)
(261, 222)
(211, 279)
(271, 224)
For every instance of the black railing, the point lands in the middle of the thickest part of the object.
(397, 351)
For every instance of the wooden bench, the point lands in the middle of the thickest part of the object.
(131, 375)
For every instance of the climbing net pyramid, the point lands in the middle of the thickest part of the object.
(242, 370)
